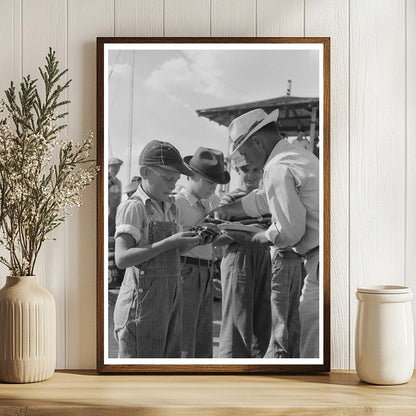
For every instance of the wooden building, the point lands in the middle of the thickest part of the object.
(296, 114)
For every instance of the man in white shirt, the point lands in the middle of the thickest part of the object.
(291, 194)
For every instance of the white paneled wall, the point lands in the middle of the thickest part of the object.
(410, 114)
(377, 144)
(331, 18)
(373, 132)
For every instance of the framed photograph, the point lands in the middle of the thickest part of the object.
(213, 205)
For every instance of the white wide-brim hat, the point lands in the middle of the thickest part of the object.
(244, 126)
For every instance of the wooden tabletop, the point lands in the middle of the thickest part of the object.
(86, 393)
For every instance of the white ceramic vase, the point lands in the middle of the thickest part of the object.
(384, 337)
(27, 331)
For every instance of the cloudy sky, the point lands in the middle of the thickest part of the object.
(153, 94)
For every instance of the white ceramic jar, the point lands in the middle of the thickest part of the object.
(384, 337)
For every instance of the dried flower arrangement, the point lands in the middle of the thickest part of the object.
(42, 176)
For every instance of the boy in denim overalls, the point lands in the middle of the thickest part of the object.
(148, 311)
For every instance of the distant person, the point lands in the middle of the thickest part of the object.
(116, 273)
(148, 311)
(114, 193)
(301, 141)
(194, 202)
(131, 188)
(316, 146)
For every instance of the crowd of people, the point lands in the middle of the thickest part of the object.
(164, 241)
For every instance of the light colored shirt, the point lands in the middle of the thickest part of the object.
(291, 194)
(190, 212)
(132, 217)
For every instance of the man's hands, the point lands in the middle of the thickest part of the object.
(221, 213)
(225, 212)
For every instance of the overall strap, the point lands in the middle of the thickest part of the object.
(148, 207)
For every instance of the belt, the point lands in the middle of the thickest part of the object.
(288, 254)
(311, 252)
(195, 261)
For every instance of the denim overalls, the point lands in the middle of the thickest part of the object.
(148, 311)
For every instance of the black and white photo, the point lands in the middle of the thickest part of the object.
(213, 254)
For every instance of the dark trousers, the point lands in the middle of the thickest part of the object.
(286, 290)
(309, 309)
(198, 302)
(246, 317)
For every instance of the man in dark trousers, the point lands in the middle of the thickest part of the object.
(291, 194)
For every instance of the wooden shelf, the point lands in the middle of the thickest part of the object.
(86, 393)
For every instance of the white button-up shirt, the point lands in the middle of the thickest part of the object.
(133, 219)
(190, 212)
(291, 194)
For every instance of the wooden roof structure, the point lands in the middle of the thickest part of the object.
(295, 113)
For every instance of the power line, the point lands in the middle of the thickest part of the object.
(131, 115)
(113, 100)
(115, 63)
(217, 76)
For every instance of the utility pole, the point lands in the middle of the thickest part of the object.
(289, 88)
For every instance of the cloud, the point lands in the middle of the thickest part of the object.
(191, 72)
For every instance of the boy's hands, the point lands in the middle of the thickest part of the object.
(184, 241)
(207, 232)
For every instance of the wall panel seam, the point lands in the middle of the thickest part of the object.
(210, 18)
(21, 39)
(349, 186)
(405, 145)
(304, 17)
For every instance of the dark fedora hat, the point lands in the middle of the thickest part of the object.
(209, 163)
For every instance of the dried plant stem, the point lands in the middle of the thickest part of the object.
(36, 194)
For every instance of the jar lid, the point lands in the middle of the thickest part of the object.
(384, 289)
